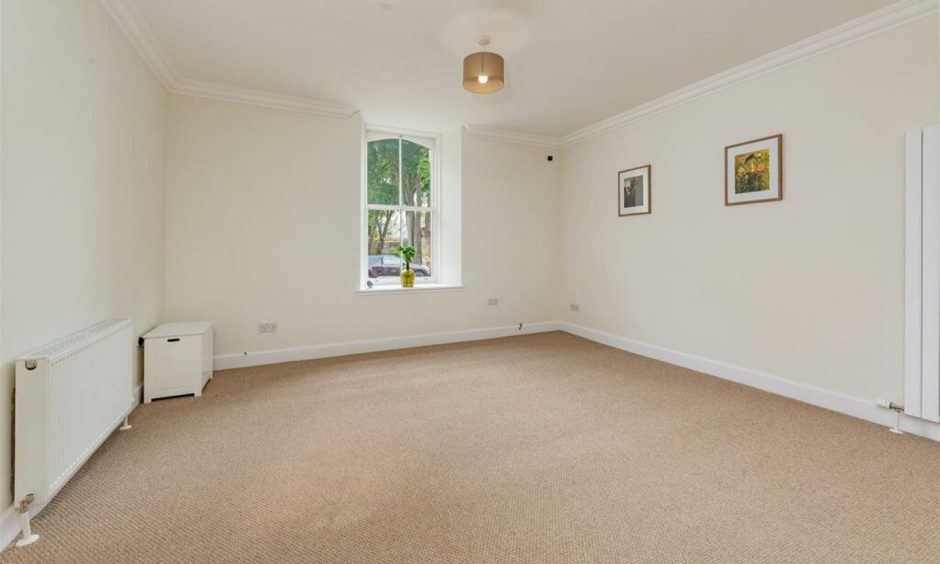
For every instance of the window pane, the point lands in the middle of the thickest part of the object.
(415, 174)
(384, 237)
(418, 235)
(382, 172)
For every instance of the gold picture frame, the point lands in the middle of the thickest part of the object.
(754, 171)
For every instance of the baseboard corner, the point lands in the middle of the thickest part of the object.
(854, 406)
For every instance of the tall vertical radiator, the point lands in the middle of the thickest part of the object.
(69, 396)
(922, 275)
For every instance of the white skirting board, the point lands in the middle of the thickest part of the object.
(223, 362)
(9, 527)
(843, 403)
(827, 399)
(138, 390)
(820, 397)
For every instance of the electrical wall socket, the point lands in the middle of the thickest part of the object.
(267, 327)
(492, 301)
(575, 308)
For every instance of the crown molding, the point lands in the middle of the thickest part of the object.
(129, 19)
(188, 87)
(513, 136)
(859, 28)
(132, 23)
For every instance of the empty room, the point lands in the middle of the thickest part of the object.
(470, 281)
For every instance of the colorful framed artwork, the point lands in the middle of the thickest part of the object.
(754, 171)
(634, 189)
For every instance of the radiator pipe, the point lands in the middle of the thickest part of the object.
(28, 537)
(898, 411)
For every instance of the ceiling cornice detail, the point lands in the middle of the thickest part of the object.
(189, 87)
(132, 23)
(849, 32)
(513, 136)
(129, 19)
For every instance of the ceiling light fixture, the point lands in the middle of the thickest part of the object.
(483, 72)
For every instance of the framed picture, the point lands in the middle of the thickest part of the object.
(754, 171)
(633, 187)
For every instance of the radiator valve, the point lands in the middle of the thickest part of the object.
(898, 411)
(28, 536)
(26, 502)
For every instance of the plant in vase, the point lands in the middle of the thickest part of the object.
(407, 254)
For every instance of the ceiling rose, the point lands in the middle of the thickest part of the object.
(508, 32)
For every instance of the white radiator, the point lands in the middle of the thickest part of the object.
(69, 397)
(922, 275)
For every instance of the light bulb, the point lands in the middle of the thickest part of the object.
(483, 79)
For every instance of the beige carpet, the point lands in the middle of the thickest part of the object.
(544, 448)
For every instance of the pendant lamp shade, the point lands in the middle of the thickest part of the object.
(483, 72)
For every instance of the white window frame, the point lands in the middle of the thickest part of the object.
(375, 133)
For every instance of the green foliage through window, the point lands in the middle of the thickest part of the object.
(399, 175)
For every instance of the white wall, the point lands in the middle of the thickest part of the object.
(263, 224)
(810, 288)
(82, 214)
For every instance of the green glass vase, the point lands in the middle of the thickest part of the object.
(408, 278)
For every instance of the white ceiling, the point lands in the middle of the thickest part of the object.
(569, 63)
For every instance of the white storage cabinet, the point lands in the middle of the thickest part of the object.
(177, 359)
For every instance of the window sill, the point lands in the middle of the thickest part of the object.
(418, 289)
